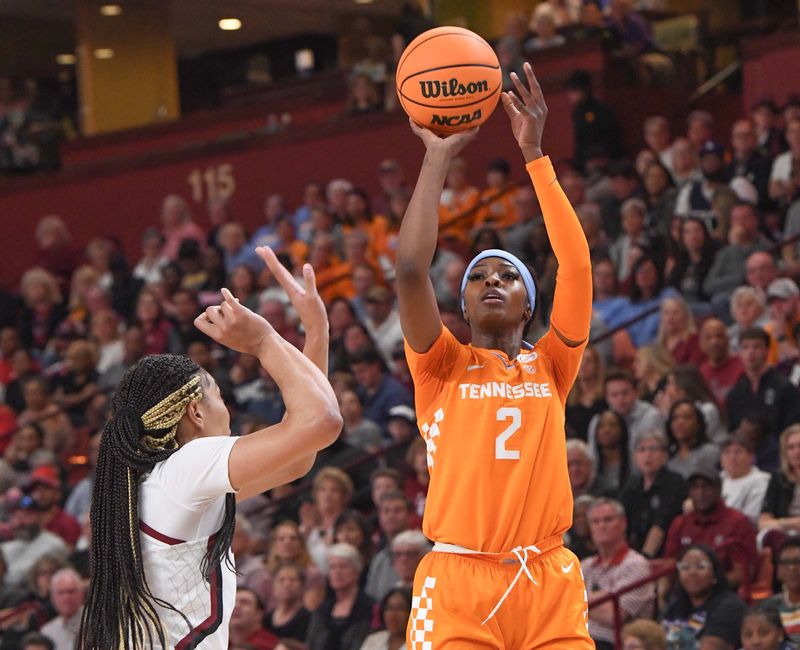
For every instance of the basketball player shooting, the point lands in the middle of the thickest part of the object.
(492, 414)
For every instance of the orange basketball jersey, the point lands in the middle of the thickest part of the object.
(494, 430)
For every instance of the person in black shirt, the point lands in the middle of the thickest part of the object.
(593, 122)
(761, 389)
(653, 496)
(288, 619)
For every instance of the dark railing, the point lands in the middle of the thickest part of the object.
(659, 569)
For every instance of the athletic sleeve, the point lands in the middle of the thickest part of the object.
(432, 369)
(572, 303)
(197, 473)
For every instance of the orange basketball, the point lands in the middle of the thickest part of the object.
(449, 79)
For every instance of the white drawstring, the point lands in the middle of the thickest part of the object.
(521, 553)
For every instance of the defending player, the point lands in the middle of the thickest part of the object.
(168, 476)
(492, 414)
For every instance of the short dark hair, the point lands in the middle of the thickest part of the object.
(620, 374)
(395, 495)
(754, 334)
(36, 639)
(259, 600)
(366, 354)
(389, 472)
(790, 542)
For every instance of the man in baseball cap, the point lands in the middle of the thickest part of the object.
(45, 488)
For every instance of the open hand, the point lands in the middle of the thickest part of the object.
(451, 145)
(234, 325)
(527, 111)
(305, 300)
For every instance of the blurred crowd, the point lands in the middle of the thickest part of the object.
(683, 426)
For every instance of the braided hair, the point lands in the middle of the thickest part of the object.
(150, 401)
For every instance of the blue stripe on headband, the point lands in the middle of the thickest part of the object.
(524, 273)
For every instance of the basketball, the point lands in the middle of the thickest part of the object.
(449, 79)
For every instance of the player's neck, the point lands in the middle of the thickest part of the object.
(510, 343)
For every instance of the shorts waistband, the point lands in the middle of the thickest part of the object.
(547, 544)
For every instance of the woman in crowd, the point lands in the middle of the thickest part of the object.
(395, 610)
(650, 367)
(358, 431)
(660, 196)
(343, 620)
(244, 285)
(42, 410)
(341, 315)
(352, 528)
(42, 310)
(694, 260)
(418, 478)
(106, 336)
(155, 326)
(688, 444)
(287, 546)
(288, 618)
(26, 450)
(587, 397)
(686, 382)
(787, 600)
(779, 514)
(75, 388)
(762, 629)
(677, 334)
(611, 450)
(331, 492)
(749, 309)
(702, 605)
(647, 292)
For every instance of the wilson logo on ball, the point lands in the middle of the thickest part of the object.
(452, 88)
(455, 120)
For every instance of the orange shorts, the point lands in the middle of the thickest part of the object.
(454, 593)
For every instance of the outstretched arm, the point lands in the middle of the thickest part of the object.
(572, 304)
(258, 461)
(419, 313)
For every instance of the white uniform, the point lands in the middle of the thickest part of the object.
(181, 508)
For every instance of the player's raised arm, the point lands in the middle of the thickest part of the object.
(419, 313)
(572, 304)
(312, 422)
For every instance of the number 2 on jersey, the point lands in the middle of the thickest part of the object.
(515, 415)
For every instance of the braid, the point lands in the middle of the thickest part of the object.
(151, 399)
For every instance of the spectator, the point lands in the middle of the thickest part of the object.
(353, 528)
(677, 333)
(418, 478)
(251, 570)
(623, 185)
(660, 194)
(643, 634)
(67, 593)
(394, 516)
(726, 531)
(383, 319)
(684, 162)
(45, 488)
(646, 293)
(42, 310)
(587, 397)
(56, 253)
(743, 485)
(26, 449)
(232, 239)
(358, 430)
(623, 251)
(36, 641)
(41, 409)
(784, 180)
(749, 309)
(699, 128)
(765, 117)
(636, 42)
(762, 629)
(688, 444)
(787, 602)
(151, 319)
(246, 626)
(658, 137)
(380, 391)
(651, 365)
(343, 620)
(621, 397)
(761, 389)
(288, 618)
(287, 546)
(30, 541)
(509, 54)
(783, 303)
(582, 472)
(395, 610)
(543, 24)
(702, 606)
(686, 383)
(177, 225)
(615, 566)
(498, 208)
(727, 272)
(653, 496)
(747, 161)
(148, 268)
(363, 96)
(694, 260)
(408, 549)
(458, 203)
(331, 492)
(721, 369)
(594, 123)
(76, 387)
(578, 539)
(611, 450)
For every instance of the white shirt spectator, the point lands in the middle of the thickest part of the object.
(782, 167)
(63, 632)
(21, 555)
(746, 494)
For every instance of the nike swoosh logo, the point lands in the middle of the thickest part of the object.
(568, 568)
(473, 367)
